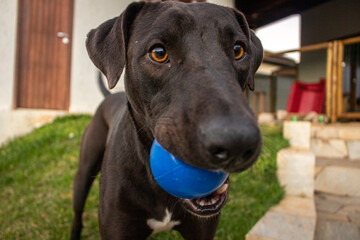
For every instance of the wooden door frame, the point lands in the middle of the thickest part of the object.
(18, 54)
(340, 113)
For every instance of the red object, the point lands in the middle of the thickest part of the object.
(307, 97)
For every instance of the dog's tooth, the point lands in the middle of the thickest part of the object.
(222, 189)
(202, 203)
(213, 201)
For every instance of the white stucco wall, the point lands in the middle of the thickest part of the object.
(7, 52)
(85, 94)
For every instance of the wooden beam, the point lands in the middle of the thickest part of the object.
(308, 48)
(352, 115)
(329, 79)
(351, 40)
(339, 67)
(334, 76)
(273, 93)
(262, 102)
(353, 73)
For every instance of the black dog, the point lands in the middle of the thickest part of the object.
(187, 66)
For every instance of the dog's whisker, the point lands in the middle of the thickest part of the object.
(142, 128)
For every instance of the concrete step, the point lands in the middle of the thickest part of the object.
(337, 176)
(293, 218)
(338, 217)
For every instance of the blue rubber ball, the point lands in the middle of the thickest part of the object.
(181, 179)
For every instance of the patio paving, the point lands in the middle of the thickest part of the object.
(338, 217)
(338, 214)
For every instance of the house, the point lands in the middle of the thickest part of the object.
(330, 41)
(44, 63)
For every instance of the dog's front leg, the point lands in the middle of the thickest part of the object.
(114, 228)
(198, 228)
(119, 225)
(119, 217)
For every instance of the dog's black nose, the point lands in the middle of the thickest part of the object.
(226, 141)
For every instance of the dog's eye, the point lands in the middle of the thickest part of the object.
(159, 54)
(238, 51)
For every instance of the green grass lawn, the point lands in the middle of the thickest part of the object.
(37, 172)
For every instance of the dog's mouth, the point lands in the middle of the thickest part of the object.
(209, 205)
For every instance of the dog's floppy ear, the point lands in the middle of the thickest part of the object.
(255, 51)
(256, 58)
(106, 45)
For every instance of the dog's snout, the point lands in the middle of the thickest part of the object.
(228, 142)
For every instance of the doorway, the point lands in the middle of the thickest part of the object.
(44, 54)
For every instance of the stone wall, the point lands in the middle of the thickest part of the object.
(337, 148)
(295, 216)
(338, 140)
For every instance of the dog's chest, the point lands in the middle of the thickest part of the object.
(165, 224)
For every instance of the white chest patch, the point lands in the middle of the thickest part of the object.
(164, 225)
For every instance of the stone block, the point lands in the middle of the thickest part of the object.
(339, 180)
(354, 149)
(281, 226)
(266, 118)
(333, 148)
(330, 229)
(296, 171)
(352, 212)
(281, 114)
(257, 237)
(324, 131)
(297, 206)
(325, 205)
(317, 170)
(343, 200)
(350, 132)
(298, 134)
(331, 216)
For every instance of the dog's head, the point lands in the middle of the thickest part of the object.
(187, 66)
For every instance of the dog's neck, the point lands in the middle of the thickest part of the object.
(143, 132)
